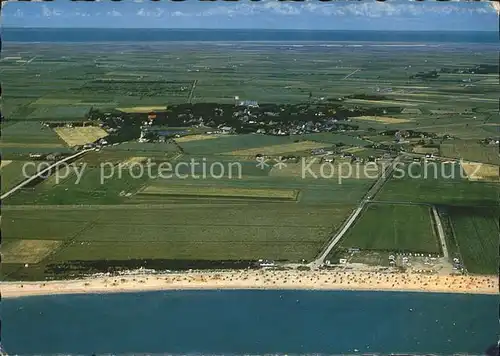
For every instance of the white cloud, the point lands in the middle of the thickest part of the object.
(179, 14)
(82, 14)
(47, 12)
(282, 8)
(114, 13)
(391, 9)
(369, 9)
(18, 13)
(153, 13)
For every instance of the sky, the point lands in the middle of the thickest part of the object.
(392, 15)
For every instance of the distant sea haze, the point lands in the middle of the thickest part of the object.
(257, 35)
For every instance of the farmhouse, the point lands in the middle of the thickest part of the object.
(249, 103)
(227, 129)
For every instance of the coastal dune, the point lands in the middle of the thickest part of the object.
(259, 279)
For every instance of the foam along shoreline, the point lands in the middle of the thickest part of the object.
(259, 279)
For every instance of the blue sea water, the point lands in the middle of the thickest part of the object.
(133, 35)
(255, 322)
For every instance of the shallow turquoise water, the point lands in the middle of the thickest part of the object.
(237, 322)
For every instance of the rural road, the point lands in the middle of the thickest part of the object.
(440, 231)
(348, 75)
(40, 173)
(354, 215)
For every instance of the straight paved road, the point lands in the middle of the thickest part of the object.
(440, 230)
(41, 173)
(355, 214)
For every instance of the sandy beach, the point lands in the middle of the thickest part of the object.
(259, 279)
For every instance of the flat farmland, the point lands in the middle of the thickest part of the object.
(151, 147)
(159, 74)
(278, 231)
(231, 143)
(471, 151)
(446, 185)
(12, 174)
(313, 169)
(481, 171)
(90, 188)
(58, 112)
(117, 182)
(29, 134)
(399, 228)
(120, 219)
(280, 149)
(221, 192)
(476, 232)
(28, 251)
(75, 136)
(142, 109)
(332, 137)
(383, 119)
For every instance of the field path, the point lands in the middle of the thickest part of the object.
(440, 231)
(348, 75)
(355, 214)
(41, 173)
(190, 98)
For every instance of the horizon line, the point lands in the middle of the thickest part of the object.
(229, 29)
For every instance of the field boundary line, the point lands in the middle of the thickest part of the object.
(191, 92)
(371, 192)
(40, 173)
(455, 240)
(440, 231)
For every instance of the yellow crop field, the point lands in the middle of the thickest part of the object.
(77, 136)
(225, 192)
(4, 163)
(425, 150)
(28, 251)
(353, 149)
(280, 149)
(380, 102)
(142, 109)
(190, 138)
(132, 160)
(481, 171)
(383, 119)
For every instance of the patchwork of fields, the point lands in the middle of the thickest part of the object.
(109, 217)
(282, 231)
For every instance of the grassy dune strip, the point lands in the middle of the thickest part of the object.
(191, 191)
(142, 109)
(280, 149)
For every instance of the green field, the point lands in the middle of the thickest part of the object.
(29, 134)
(220, 192)
(178, 231)
(470, 151)
(399, 228)
(441, 190)
(12, 174)
(139, 148)
(99, 222)
(231, 143)
(476, 232)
